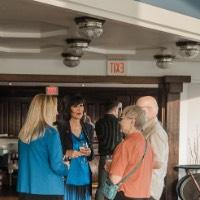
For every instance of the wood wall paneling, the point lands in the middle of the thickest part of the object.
(3, 117)
(15, 102)
(12, 114)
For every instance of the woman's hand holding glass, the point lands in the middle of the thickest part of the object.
(72, 154)
(84, 149)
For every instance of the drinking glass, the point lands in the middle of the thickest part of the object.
(82, 146)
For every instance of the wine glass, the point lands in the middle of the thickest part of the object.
(83, 146)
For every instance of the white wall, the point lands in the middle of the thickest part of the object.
(50, 66)
(189, 138)
(95, 67)
(193, 131)
(190, 125)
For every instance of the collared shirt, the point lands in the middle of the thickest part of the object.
(158, 139)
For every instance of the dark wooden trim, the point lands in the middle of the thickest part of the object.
(90, 79)
(177, 79)
(172, 126)
(174, 87)
(78, 79)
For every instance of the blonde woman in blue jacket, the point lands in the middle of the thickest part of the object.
(41, 167)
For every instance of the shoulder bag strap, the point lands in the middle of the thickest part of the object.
(135, 167)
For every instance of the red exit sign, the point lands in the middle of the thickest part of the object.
(52, 90)
(117, 67)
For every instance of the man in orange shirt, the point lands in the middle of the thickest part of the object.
(128, 153)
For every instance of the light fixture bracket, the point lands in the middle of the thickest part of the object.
(76, 46)
(78, 42)
(88, 20)
(90, 27)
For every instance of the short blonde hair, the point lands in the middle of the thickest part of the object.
(41, 113)
(137, 113)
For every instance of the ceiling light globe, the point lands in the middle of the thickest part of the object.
(71, 61)
(90, 27)
(91, 32)
(188, 49)
(75, 51)
(163, 64)
(76, 46)
(189, 52)
(163, 61)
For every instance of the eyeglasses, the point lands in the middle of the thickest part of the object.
(125, 117)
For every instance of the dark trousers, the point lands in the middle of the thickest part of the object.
(102, 174)
(39, 197)
(120, 196)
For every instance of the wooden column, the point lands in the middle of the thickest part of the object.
(172, 89)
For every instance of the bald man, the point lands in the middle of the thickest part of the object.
(158, 138)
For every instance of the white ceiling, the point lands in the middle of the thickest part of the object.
(32, 29)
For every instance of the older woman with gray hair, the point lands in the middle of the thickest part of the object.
(129, 153)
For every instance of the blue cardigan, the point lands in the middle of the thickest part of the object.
(41, 168)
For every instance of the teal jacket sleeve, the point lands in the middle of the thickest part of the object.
(55, 153)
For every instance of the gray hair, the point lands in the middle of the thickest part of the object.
(137, 113)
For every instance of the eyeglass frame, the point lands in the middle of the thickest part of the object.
(121, 118)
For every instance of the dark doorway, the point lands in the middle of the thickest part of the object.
(14, 102)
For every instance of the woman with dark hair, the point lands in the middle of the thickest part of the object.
(76, 139)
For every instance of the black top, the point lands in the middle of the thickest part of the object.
(108, 134)
(66, 137)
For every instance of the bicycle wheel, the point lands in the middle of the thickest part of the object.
(188, 189)
(178, 186)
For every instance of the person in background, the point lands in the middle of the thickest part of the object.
(158, 139)
(129, 153)
(41, 167)
(109, 136)
(76, 138)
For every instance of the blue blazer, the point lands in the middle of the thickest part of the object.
(41, 167)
